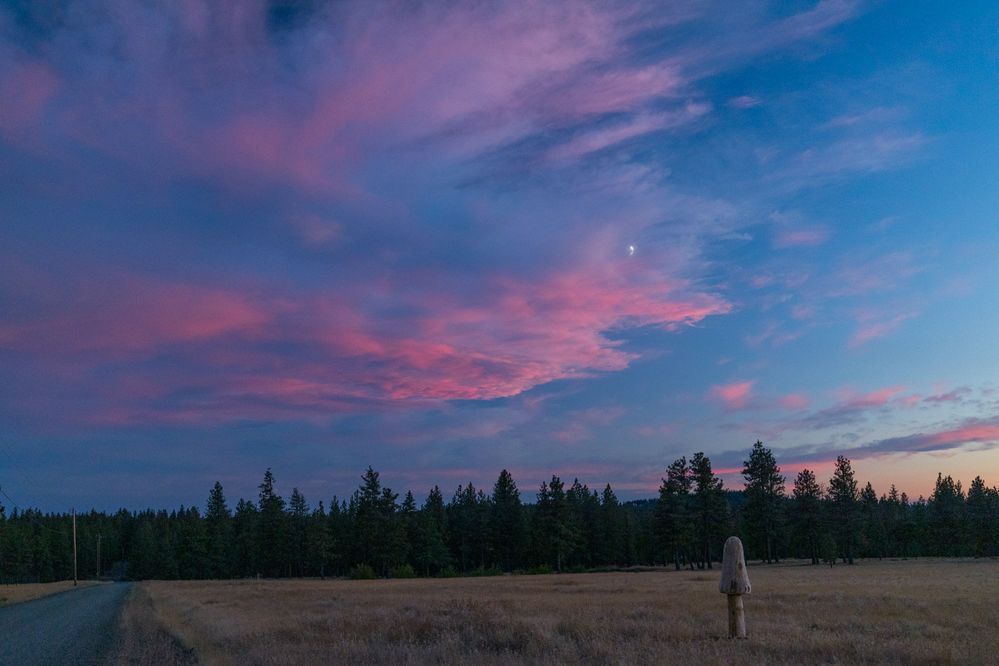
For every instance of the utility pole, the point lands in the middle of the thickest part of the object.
(74, 546)
(99, 556)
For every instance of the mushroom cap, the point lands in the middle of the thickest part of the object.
(735, 577)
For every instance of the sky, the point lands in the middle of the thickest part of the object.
(443, 239)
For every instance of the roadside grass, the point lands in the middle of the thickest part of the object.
(143, 638)
(891, 612)
(13, 594)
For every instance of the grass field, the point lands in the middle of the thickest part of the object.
(12, 594)
(899, 612)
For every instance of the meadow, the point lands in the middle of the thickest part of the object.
(890, 612)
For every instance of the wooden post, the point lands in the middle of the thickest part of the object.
(74, 547)
(735, 583)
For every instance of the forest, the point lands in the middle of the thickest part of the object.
(566, 528)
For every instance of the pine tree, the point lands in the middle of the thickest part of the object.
(945, 516)
(341, 536)
(409, 514)
(507, 521)
(218, 523)
(317, 542)
(298, 521)
(462, 517)
(843, 500)
(612, 522)
(431, 551)
(192, 541)
(764, 505)
(807, 507)
(555, 534)
(673, 523)
(380, 537)
(142, 564)
(582, 507)
(709, 509)
(245, 532)
(873, 528)
(272, 541)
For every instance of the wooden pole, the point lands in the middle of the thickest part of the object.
(74, 547)
(736, 617)
(735, 583)
(98, 557)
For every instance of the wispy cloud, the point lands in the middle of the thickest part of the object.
(734, 396)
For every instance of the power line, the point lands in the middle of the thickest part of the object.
(30, 514)
(24, 481)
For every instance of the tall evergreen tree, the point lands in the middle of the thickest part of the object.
(318, 542)
(583, 508)
(218, 524)
(341, 536)
(298, 522)
(612, 521)
(555, 533)
(764, 505)
(844, 503)
(945, 515)
(673, 522)
(807, 507)
(709, 509)
(874, 538)
(431, 552)
(507, 521)
(272, 544)
(192, 545)
(409, 515)
(245, 538)
(380, 537)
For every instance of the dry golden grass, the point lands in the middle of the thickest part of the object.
(912, 612)
(12, 594)
(143, 639)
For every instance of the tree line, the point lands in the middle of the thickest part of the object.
(568, 527)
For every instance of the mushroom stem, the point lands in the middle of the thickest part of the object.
(736, 617)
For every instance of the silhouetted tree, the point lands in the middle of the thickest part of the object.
(218, 524)
(764, 507)
(297, 521)
(807, 512)
(843, 500)
(272, 545)
(673, 521)
(946, 517)
(613, 526)
(507, 522)
(708, 508)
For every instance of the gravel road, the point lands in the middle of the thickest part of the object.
(74, 627)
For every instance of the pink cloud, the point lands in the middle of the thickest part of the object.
(794, 401)
(356, 103)
(123, 315)
(496, 343)
(978, 432)
(640, 125)
(876, 398)
(801, 237)
(875, 325)
(744, 102)
(734, 396)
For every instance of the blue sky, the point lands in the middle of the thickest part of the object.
(581, 239)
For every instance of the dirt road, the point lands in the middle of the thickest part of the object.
(74, 627)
